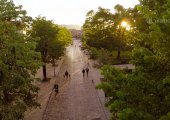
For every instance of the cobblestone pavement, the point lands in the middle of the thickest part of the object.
(44, 92)
(77, 98)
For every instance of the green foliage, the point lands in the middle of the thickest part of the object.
(144, 94)
(98, 29)
(166, 117)
(104, 57)
(132, 114)
(52, 40)
(46, 31)
(127, 94)
(103, 30)
(18, 63)
(56, 50)
(57, 46)
(64, 36)
(14, 14)
(94, 53)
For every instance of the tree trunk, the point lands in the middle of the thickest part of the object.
(54, 67)
(118, 54)
(44, 55)
(44, 73)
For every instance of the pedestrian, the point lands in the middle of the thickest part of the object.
(83, 71)
(66, 74)
(87, 71)
(69, 76)
(56, 89)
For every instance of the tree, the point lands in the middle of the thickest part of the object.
(18, 63)
(46, 31)
(52, 41)
(98, 29)
(144, 94)
(14, 14)
(64, 36)
(57, 47)
(102, 29)
(124, 35)
(55, 52)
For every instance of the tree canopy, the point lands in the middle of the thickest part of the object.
(102, 29)
(64, 36)
(18, 63)
(98, 29)
(52, 40)
(144, 94)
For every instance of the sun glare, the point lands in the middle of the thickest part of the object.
(125, 25)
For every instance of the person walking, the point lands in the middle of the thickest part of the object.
(83, 71)
(87, 71)
(56, 87)
(66, 74)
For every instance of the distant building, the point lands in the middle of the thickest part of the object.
(76, 33)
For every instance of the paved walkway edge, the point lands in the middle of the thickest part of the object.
(59, 67)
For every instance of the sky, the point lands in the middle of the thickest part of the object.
(68, 11)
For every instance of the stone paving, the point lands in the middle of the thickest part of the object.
(78, 99)
(44, 92)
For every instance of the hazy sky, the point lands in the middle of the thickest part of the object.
(68, 11)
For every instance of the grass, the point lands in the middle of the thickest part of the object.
(123, 54)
